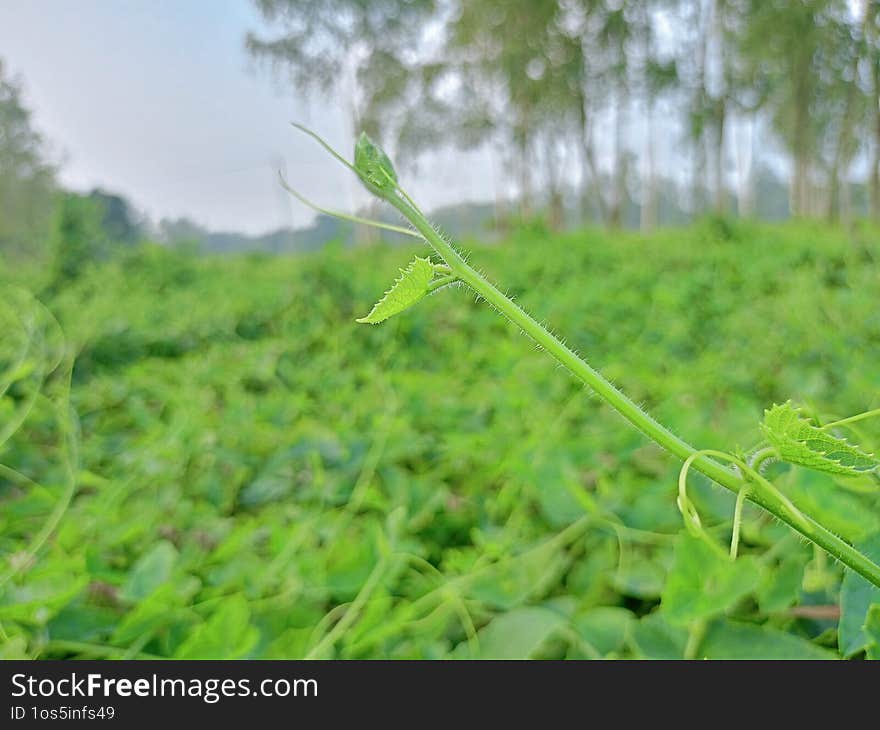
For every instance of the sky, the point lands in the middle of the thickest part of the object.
(158, 100)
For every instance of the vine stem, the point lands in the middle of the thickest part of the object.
(352, 613)
(852, 419)
(768, 500)
(737, 521)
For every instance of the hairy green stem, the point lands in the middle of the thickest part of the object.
(440, 283)
(759, 458)
(769, 499)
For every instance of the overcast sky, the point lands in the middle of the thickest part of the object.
(158, 100)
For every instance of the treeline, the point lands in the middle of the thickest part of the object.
(626, 112)
(41, 224)
(597, 94)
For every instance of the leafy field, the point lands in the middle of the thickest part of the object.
(253, 475)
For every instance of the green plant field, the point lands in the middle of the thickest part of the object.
(253, 475)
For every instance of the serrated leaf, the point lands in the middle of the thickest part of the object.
(800, 442)
(410, 286)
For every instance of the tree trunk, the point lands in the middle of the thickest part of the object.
(615, 215)
(720, 193)
(649, 180)
(591, 170)
(745, 200)
(719, 108)
(648, 208)
(845, 202)
(842, 157)
(525, 181)
(844, 151)
(871, 20)
(555, 212)
(801, 188)
(799, 196)
(875, 157)
(832, 202)
(700, 172)
(875, 152)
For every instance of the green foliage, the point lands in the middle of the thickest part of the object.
(117, 221)
(243, 450)
(800, 442)
(841, 510)
(781, 587)
(857, 597)
(872, 630)
(408, 288)
(150, 571)
(519, 633)
(735, 640)
(27, 181)
(745, 481)
(701, 583)
(654, 638)
(604, 629)
(227, 634)
(78, 239)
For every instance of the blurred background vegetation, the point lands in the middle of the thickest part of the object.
(203, 456)
(616, 112)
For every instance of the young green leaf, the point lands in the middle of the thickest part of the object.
(412, 285)
(800, 442)
(373, 166)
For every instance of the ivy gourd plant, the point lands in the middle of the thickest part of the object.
(788, 433)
